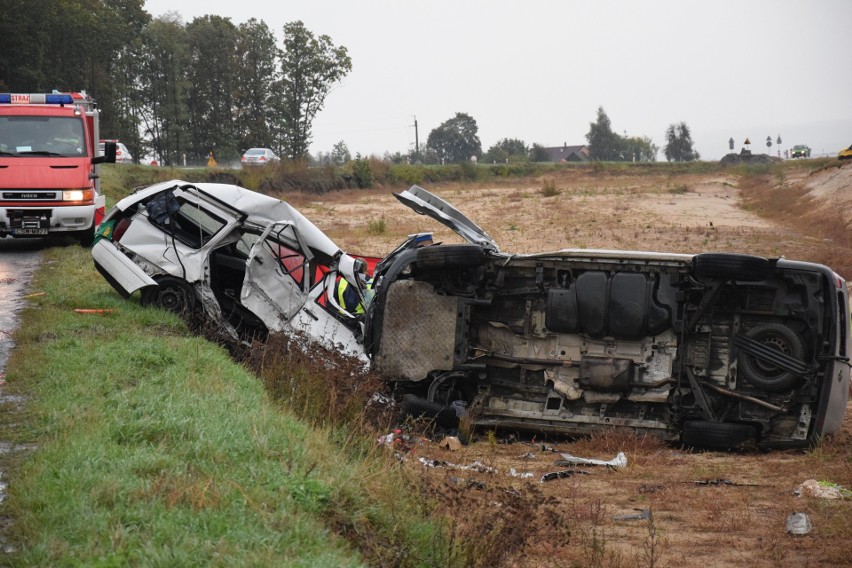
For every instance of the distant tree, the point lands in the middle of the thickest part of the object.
(255, 73)
(310, 66)
(604, 144)
(163, 88)
(340, 154)
(679, 144)
(211, 74)
(428, 155)
(456, 140)
(321, 159)
(510, 149)
(397, 158)
(638, 149)
(538, 153)
(362, 172)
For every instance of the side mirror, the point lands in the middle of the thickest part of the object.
(109, 154)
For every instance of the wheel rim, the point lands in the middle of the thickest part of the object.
(173, 300)
(767, 369)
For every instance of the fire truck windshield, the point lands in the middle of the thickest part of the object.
(42, 136)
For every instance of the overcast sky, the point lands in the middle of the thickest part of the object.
(538, 70)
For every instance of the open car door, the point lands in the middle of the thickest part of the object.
(278, 275)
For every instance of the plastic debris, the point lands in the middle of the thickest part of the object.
(822, 490)
(387, 439)
(562, 474)
(527, 456)
(618, 462)
(798, 523)
(642, 515)
(451, 443)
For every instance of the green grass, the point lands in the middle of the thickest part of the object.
(154, 448)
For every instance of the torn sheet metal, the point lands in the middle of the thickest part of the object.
(618, 462)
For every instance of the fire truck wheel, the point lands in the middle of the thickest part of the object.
(86, 237)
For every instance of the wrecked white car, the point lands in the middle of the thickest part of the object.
(244, 262)
(711, 349)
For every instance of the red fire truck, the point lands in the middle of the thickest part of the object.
(49, 165)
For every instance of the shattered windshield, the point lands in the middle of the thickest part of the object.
(42, 136)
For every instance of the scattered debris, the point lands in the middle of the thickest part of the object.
(642, 515)
(388, 439)
(400, 441)
(522, 475)
(545, 448)
(34, 295)
(562, 474)
(527, 456)
(379, 398)
(451, 443)
(475, 466)
(618, 462)
(798, 523)
(822, 490)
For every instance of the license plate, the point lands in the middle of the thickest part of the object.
(29, 232)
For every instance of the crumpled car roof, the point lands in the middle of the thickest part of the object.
(258, 208)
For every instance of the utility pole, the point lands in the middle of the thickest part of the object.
(416, 142)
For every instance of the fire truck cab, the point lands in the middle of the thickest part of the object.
(49, 166)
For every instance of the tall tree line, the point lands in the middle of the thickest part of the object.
(171, 89)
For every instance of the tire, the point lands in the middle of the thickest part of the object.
(171, 294)
(731, 266)
(716, 435)
(763, 374)
(442, 256)
(86, 238)
(417, 407)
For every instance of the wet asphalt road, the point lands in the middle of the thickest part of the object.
(18, 261)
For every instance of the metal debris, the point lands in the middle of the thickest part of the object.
(618, 462)
(642, 515)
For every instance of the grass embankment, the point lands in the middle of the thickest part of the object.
(153, 448)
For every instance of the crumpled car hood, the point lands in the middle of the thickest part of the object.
(426, 203)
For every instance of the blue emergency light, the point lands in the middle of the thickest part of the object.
(36, 99)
